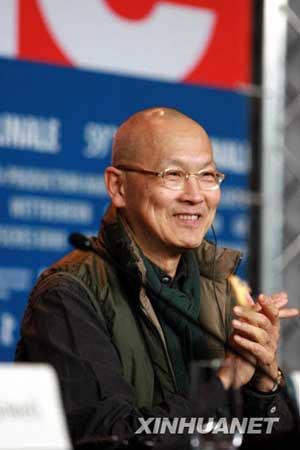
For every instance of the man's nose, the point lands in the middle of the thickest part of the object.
(192, 191)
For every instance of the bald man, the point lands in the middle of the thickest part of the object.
(106, 320)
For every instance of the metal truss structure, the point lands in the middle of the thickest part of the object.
(280, 175)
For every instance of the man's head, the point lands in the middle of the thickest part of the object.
(164, 221)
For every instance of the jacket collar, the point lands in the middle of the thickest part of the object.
(116, 238)
(226, 261)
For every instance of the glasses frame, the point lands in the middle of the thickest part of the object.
(219, 175)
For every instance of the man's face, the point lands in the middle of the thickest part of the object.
(163, 220)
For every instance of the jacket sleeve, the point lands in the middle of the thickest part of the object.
(60, 327)
(275, 406)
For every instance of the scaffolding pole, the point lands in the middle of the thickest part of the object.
(272, 173)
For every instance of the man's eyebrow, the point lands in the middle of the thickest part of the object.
(179, 162)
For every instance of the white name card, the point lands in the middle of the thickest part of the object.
(295, 377)
(31, 411)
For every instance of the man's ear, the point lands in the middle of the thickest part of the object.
(115, 186)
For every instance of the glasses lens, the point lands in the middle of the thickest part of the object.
(174, 178)
(208, 179)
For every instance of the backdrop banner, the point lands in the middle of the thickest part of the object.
(56, 130)
(69, 75)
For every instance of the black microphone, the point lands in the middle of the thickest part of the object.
(85, 244)
(81, 242)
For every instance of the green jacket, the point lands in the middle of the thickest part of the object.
(119, 299)
(89, 317)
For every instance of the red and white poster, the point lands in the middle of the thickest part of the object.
(196, 41)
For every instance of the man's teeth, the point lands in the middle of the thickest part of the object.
(188, 216)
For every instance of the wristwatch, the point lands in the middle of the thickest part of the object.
(279, 381)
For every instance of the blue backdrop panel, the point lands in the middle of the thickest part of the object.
(56, 128)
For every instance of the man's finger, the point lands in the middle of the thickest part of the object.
(280, 299)
(288, 313)
(251, 332)
(284, 313)
(269, 308)
(262, 355)
(260, 319)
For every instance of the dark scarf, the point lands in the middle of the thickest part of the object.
(185, 342)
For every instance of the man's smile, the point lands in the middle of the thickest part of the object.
(193, 220)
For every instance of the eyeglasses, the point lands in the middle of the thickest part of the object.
(208, 179)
